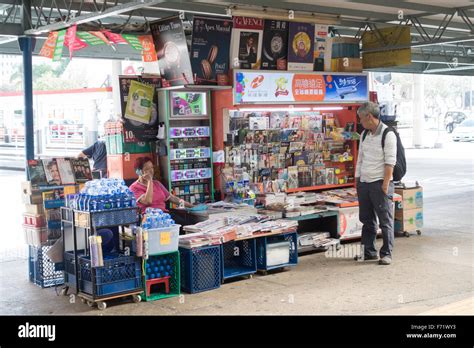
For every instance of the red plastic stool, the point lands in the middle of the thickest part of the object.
(164, 280)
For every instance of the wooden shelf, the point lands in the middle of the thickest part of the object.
(316, 188)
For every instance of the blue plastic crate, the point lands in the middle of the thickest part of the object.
(106, 218)
(238, 258)
(42, 271)
(69, 268)
(262, 243)
(200, 268)
(118, 275)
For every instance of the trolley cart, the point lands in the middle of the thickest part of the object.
(98, 284)
(101, 303)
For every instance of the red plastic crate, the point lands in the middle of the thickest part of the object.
(121, 166)
(34, 220)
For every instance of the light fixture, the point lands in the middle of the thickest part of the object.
(273, 109)
(327, 108)
(297, 16)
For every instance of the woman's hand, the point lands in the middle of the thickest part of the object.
(147, 177)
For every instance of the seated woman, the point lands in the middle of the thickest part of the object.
(151, 193)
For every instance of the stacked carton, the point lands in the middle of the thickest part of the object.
(42, 216)
(409, 212)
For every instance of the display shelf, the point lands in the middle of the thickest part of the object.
(190, 169)
(320, 187)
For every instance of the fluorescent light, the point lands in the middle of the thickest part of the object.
(327, 108)
(274, 109)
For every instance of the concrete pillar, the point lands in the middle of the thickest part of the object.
(418, 110)
(91, 122)
(116, 71)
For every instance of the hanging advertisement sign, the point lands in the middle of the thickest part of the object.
(274, 87)
(139, 103)
(172, 51)
(91, 39)
(115, 38)
(210, 50)
(133, 41)
(50, 45)
(58, 50)
(136, 130)
(72, 42)
(148, 48)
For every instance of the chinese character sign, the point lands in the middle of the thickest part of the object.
(260, 88)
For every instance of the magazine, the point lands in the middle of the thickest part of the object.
(304, 176)
(81, 169)
(258, 122)
(65, 171)
(301, 46)
(36, 173)
(246, 42)
(275, 45)
(292, 177)
(209, 50)
(52, 171)
(172, 51)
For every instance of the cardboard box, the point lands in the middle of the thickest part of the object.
(349, 224)
(412, 198)
(30, 195)
(36, 209)
(34, 235)
(121, 166)
(26, 187)
(35, 198)
(71, 189)
(411, 222)
(346, 64)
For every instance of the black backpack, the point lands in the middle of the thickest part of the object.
(400, 168)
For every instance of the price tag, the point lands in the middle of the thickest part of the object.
(165, 238)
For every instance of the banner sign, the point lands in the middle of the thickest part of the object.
(251, 87)
(137, 130)
(58, 49)
(148, 48)
(91, 39)
(49, 46)
(72, 42)
(133, 41)
(115, 38)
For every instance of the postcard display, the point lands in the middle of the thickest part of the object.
(187, 160)
(298, 143)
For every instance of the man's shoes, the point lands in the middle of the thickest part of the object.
(386, 260)
(366, 258)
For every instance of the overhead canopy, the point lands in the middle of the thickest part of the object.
(442, 31)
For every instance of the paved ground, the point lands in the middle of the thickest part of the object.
(431, 273)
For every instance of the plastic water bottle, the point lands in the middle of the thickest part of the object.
(86, 202)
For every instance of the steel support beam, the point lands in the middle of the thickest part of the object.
(111, 11)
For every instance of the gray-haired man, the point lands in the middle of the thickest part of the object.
(374, 183)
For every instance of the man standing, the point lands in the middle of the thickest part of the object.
(98, 153)
(374, 183)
